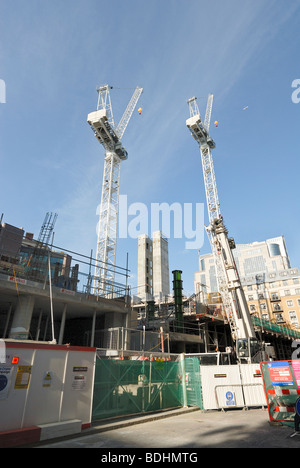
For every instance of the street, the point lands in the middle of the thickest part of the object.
(191, 430)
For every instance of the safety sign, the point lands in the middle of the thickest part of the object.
(79, 382)
(47, 380)
(230, 399)
(23, 377)
(280, 374)
(5, 377)
(296, 370)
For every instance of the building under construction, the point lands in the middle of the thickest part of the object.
(46, 292)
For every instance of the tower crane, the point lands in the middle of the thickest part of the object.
(229, 284)
(109, 136)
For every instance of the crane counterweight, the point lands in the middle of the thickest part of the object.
(199, 132)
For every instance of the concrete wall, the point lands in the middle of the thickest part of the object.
(145, 265)
(153, 267)
(161, 278)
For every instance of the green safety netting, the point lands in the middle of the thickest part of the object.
(139, 386)
(267, 325)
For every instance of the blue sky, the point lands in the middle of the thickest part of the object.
(54, 54)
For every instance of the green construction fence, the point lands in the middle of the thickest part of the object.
(124, 387)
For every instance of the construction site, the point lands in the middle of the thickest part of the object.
(134, 353)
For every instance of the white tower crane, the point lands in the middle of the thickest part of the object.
(229, 283)
(103, 126)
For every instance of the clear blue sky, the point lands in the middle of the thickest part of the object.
(54, 54)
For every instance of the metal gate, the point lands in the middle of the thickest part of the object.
(140, 386)
(232, 386)
(133, 386)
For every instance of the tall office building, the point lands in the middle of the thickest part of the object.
(153, 267)
(271, 286)
(257, 258)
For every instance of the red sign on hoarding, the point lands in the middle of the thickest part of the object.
(296, 369)
(280, 374)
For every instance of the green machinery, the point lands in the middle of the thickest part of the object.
(177, 288)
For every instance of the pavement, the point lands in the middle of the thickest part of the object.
(188, 428)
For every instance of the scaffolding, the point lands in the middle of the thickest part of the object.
(37, 264)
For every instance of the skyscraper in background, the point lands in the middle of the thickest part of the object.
(271, 285)
(153, 267)
(160, 266)
(257, 258)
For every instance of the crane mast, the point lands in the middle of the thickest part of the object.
(229, 284)
(103, 125)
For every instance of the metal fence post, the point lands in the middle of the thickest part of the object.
(182, 357)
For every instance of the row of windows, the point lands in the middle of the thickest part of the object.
(263, 305)
(294, 271)
(274, 296)
(280, 319)
(275, 284)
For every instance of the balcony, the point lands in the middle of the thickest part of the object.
(280, 319)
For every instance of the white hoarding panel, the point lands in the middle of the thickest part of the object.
(44, 384)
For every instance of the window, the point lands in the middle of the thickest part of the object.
(298, 300)
(293, 317)
(250, 298)
(290, 303)
(263, 306)
(252, 307)
(287, 292)
(254, 264)
(265, 316)
(274, 297)
(260, 296)
(279, 318)
(276, 307)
